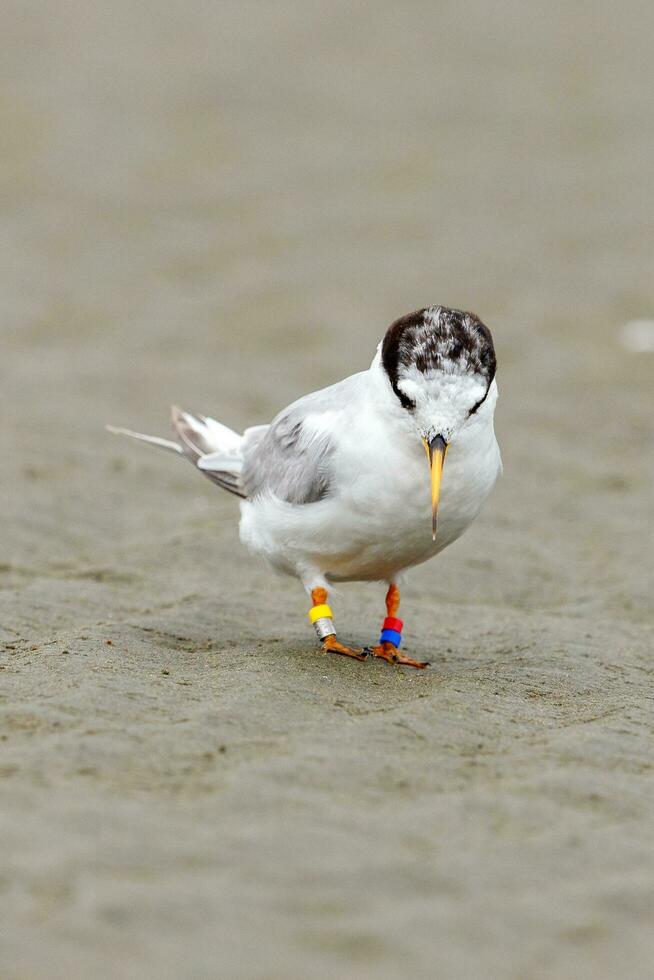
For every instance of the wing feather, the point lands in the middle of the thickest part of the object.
(291, 458)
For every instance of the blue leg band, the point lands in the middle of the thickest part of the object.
(391, 636)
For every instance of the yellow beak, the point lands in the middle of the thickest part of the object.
(436, 451)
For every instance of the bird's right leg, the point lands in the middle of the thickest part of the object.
(391, 635)
(320, 615)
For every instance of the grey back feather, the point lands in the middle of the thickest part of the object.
(288, 458)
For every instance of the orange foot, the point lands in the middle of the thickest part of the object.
(388, 652)
(331, 643)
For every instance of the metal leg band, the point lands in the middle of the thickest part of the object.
(324, 627)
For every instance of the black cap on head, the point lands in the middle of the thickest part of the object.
(436, 338)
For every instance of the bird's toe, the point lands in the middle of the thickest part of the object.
(389, 653)
(335, 646)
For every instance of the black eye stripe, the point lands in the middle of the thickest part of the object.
(405, 401)
(479, 403)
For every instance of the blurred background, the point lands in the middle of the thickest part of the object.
(223, 206)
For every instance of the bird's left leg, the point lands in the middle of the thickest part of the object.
(321, 616)
(391, 634)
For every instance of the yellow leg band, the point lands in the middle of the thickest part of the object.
(320, 612)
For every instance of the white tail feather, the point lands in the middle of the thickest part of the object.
(213, 448)
(204, 435)
(153, 440)
(221, 462)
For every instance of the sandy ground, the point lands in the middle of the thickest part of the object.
(223, 205)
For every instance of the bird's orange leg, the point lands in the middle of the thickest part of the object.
(329, 641)
(388, 651)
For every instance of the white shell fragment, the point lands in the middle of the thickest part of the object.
(637, 336)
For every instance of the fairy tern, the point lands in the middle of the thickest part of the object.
(336, 488)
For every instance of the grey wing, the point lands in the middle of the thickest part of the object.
(291, 458)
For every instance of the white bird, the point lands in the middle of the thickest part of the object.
(336, 487)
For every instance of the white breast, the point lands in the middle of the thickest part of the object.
(378, 520)
(388, 507)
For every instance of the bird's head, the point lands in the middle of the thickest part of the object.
(440, 364)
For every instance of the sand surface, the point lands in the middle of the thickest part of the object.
(223, 205)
